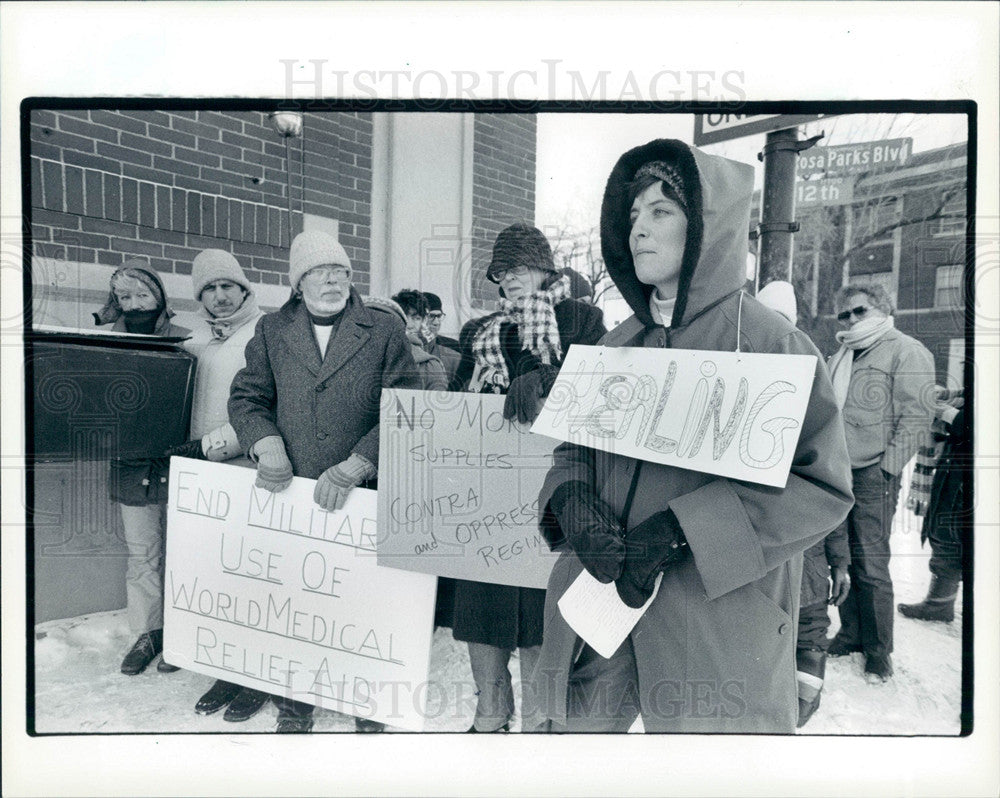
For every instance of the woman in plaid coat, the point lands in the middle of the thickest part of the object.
(515, 351)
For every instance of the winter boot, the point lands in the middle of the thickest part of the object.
(939, 604)
(809, 674)
(143, 652)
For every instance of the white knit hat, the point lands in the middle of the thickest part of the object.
(210, 265)
(313, 248)
(779, 296)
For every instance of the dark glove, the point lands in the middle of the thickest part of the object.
(652, 546)
(591, 528)
(190, 449)
(527, 392)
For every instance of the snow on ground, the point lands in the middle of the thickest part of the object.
(79, 687)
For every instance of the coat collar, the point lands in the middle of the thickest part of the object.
(352, 334)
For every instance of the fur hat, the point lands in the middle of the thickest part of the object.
(520, 245)
(210, 265)
(313, 248)
(779, 296)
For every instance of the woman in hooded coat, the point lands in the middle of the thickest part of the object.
(517, 352)
(715, 650)
(137, 303)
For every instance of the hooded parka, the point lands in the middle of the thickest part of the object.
(715, 651)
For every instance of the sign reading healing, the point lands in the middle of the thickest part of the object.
(734, 414)
(270, 591)
(458, 489)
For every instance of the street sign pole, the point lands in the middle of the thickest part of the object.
(777, 218)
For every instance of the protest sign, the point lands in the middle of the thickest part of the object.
(458, 489)
(272, 592)
(734, 414)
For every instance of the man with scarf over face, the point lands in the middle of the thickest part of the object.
(516, 351)
(138, 304)
(715, 649)
(884, 383)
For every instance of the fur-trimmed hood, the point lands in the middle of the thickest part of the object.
(718, 193)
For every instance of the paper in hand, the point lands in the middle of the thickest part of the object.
(596, 613)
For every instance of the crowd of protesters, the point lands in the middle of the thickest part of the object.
(746, 572)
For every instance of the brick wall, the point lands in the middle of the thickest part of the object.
(106, 185)
(503, 188)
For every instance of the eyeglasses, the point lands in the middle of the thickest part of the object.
(323, 274)
(517, 271)
(859, 311)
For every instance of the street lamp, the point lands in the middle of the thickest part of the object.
(290, 125)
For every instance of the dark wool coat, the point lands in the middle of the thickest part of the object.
(946, 513)
(322, 409)
(715, 650)
(502, 615)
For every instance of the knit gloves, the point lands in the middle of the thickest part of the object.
(591, 528)
(274, 469)
(527, 392)
(335, 483)
(650, 547)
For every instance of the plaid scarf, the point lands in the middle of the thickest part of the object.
(537, 330)
(927, 458)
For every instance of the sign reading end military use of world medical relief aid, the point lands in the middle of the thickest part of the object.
(270, 591)
(458, 489)
(734, 414)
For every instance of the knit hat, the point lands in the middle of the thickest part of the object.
(669, 174)
(779, 296)
(210, 265)
(313, 248)
(520, 245)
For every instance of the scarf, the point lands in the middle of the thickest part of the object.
(860, 336)
(223, 328)
(537, 330)
(112, 311)
(928, 456)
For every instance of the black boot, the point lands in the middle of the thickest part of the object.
(219, 695)
(247, 703)
(810, 672)
(143, 652)
(939, 604)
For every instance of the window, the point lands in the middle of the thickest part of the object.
(948, 286)
(954, 207)
(875, 216)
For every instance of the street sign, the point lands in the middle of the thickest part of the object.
(853, 159)
(713, 128)
(812, 193)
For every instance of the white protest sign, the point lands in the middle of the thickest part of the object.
(458, 489)
(272, 592)
(733, 414)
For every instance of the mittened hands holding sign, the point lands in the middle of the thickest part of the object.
(336, 483)
(274, 469)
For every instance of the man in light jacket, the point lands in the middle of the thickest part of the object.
(884, 382)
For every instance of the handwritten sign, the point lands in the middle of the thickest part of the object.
(458, 489)
(272, 592)
(733, 414)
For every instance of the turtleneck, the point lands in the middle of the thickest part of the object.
(324, 328)
(662, 309)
